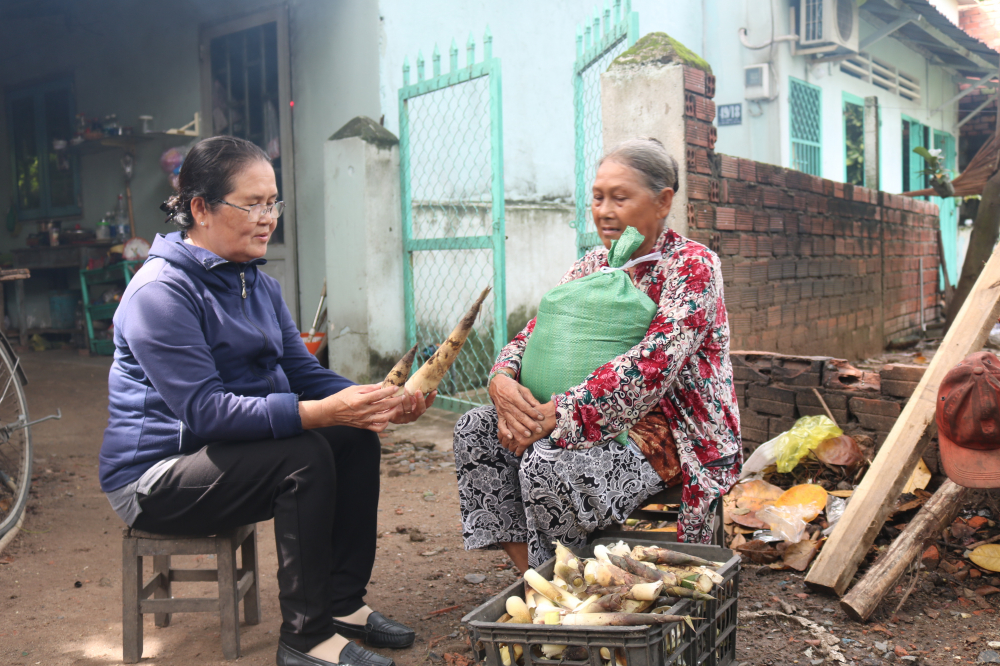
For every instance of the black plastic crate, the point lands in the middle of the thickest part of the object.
(713, 642)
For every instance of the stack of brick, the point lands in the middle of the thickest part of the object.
(774, 390)
(810, 266)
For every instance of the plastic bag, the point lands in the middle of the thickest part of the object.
(786, 521)
(834, 510)
(807, 433)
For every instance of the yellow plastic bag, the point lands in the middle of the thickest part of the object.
(807, 433)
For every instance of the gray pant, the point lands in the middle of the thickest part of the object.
(548, 494)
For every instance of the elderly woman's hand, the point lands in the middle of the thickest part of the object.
(516, 406)
(413, 406)
(367, 406)
(516, 442)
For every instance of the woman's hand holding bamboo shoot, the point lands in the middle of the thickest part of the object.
(414, 406)
(368, 406)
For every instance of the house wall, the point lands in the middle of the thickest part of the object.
(535, 43)
(145, 61)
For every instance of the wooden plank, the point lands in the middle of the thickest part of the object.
(183, 605)
(161, 566)
(873, 499)
(251, 601)
(934, 516)
(229, 611)
(177, 546)
(194, 575)
(131, 617)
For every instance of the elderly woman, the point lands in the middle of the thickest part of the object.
(220, 417)
(532, 473)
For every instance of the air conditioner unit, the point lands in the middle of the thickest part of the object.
(757, 82)
(828, 23)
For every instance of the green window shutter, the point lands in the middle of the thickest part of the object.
(804, 113)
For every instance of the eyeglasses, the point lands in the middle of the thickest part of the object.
(257, 211)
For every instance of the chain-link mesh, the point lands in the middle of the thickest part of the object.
(589, 121)
(804, 112)
(450, 185)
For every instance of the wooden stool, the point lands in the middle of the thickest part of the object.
(234, 584)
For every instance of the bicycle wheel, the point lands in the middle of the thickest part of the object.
(15, 444)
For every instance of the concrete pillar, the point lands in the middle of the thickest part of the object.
(643, 94)
(364, 250)
(872, 152)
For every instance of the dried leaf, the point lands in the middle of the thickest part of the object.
(986, 589)
(5, 504)
(987, 557)
(842, 493)
(737, 541)
(843, 451)
(961, 531)
(919, 479)
(798, 555)
(806, 494)
(759, 552)
(746, 499)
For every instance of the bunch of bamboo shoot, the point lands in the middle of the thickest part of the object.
(620, 586)
(430, 374)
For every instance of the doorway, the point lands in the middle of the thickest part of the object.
(246, 92)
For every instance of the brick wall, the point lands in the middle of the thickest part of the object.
(975, 132)
(980, 21)
(773, 390)
(810, 266)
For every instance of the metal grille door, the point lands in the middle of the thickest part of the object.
(804, 113)
(598, 42)
(451, 170)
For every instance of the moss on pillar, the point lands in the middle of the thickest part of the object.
(660, 48)
(367, 130)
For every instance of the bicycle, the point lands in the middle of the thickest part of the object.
(15, 438)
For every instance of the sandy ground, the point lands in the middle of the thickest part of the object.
(60, 579)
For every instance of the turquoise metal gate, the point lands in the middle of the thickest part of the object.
(598, 42)
(451, 170)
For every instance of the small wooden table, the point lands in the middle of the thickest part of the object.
(66, 258)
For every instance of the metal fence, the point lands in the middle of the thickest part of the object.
(598, 42)
(806, 129)
(451, 170)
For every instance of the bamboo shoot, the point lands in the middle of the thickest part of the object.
(401, 371)
(430, 374)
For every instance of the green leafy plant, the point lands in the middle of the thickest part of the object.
(940, 177)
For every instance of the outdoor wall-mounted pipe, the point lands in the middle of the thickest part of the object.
(756, 47)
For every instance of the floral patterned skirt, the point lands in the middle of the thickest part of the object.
(547, 494)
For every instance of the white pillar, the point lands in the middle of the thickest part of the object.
(364, 251)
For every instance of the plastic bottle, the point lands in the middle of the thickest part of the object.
(121, 219)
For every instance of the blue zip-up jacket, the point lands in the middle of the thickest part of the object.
(205, 350)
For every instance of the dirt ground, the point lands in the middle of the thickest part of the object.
(60, 579)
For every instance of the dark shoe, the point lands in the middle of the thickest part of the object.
(379, 632)
(352, 655)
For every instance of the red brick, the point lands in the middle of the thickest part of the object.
(874, 407)
(694, 80)
(897, 388)
(729, 167)
(903, 372)
(725, 218)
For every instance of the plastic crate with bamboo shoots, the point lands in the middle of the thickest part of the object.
(708, 638)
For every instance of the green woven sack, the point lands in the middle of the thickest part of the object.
(585, 323)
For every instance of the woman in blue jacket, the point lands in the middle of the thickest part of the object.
(219, 417)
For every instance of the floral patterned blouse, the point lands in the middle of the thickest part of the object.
(682, 366)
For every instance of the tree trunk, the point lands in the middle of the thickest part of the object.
(984, 236)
